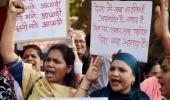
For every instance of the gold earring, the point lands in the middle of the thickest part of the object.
(132, 83)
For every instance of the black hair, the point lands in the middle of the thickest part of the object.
(69, 57)
(149, 65)
(1, 63)
(87, 40)
(32, 46)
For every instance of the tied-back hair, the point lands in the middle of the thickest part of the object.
(69, 57)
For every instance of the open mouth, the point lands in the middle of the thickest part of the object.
(115, 82)
(49, 73)
(33, 65)
(162, 88)
(78, 48)
(161, 84)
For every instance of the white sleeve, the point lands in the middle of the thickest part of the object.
(78, 65)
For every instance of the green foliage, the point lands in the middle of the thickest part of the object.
(75, 6)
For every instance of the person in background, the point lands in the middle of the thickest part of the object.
(59, 80)
(124, 79)
(32, 54)
(158, 87)
(80, 43)
(77, 64)
(162, 31)
(151, 69)
(150, 85)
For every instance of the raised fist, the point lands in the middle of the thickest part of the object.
(16, 7)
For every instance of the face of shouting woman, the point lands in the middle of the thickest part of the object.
(121, 77)
(56, 67)
(164, 78)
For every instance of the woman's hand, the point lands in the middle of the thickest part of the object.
(8, 37)
(162, 20)
(93, 72)
(16, 7)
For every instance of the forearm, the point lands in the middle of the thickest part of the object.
(83, 88)
(92, 74)
(8, 39)
(166, 43)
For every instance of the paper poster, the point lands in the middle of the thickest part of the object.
(121, 25)
(42, 20)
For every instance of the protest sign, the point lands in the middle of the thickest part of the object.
(42, 20)
(121, 25)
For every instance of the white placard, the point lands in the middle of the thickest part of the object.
(74, 99)
(121, 25)
(42, 20)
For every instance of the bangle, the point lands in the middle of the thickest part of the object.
(83, 88)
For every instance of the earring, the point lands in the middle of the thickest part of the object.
(132, 83)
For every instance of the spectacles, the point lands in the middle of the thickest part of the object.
(79, 41)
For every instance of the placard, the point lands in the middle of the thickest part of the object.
(121, 25)
(42, 20)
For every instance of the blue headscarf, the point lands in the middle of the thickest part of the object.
(135, 93)
(133, 64)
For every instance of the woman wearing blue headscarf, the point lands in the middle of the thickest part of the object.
(124, 79)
